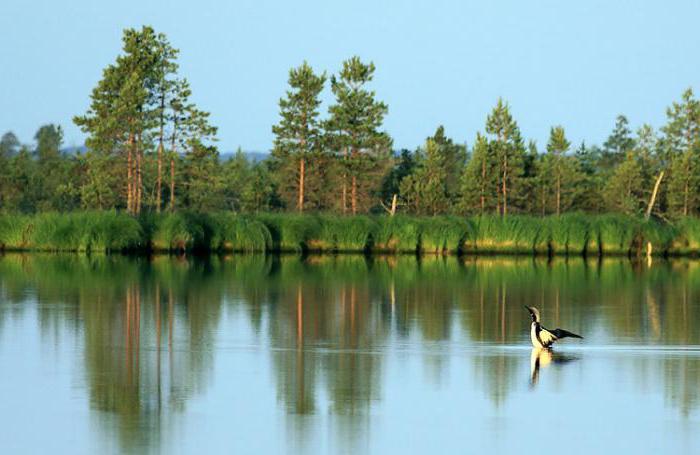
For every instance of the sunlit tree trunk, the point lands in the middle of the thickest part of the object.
(300, 202)
(129, 182)
(344, 199)
(159, 178)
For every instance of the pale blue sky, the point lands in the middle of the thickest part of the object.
(578, 64)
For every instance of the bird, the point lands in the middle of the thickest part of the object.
(542, 337)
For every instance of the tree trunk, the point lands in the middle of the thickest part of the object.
(354, 195)
(172, 183)
(139, 177)
(652, 200)
(345, 180)
(300, 202)
(171, 203)
(505, 187)
(161, 138)
(159, 181)
(129, 183)
(544, 201)
(483, 184)
(558, 194)
(393, 205)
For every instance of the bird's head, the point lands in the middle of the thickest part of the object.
(534, 313)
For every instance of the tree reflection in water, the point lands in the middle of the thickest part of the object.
(149, 326)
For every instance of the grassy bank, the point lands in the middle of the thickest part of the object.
(571, 234)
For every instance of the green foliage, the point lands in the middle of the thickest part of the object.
(184, 231)
(79, 231)
(241, 233)
(441, 235)
(398, 234)
(290, 233)
(15, 230)
(298, 154)
(426, 189)
(353, 131)
(686, 240)
(344, 234)
(624, 191)
(616, 233)
(513, 234)
(479, 180)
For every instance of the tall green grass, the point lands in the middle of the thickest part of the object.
(617, 234)
(344, 234)
(241, 233)
(184, 231)
(445, 235)
(570, 234)
(397, 234)
(290, 232)
(15, 231)
(515, 234)
(686, 238)
(79, 231)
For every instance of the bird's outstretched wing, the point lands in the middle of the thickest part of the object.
(547, 337)
(561, 333)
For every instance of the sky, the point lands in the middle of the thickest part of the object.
(576, 64)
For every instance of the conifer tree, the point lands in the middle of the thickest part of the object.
(425, 190)
(353, 127)
(624, 191)
(508, 152)
(298, 150)
(681, 148)
(479, 180)
(128, 115)
(560, 171)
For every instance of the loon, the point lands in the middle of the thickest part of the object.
(542, 337)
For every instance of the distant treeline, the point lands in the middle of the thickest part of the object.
(573, 234)
(150, 149)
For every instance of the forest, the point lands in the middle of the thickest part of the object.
(151, 154)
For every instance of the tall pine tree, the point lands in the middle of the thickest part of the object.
(298, 152)
(364, 151)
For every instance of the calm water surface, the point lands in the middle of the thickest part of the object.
(345, 355)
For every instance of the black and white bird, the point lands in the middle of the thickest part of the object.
(542, 337)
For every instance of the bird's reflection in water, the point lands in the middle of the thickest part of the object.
(542, 358)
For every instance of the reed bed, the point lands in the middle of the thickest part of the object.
(573, 234)
(290, 233)
(445, 235)
(104, 232)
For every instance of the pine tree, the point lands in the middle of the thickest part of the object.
(479, 179)
(593, 180)
(9, 144)
(190, 128)
(508, 150)
(353, 127)
(425, 190)
(203, 185)
(681, 148)
(131, 105)
(52, 171)
(617, 145)
(454, 157)
(624, 191)
(298, 150)
(560, 171)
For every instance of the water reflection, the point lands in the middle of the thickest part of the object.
(543, 358)
(150, 330)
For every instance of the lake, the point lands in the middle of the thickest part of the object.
(346, 354)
